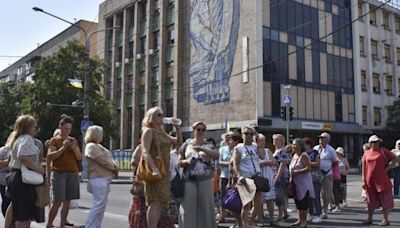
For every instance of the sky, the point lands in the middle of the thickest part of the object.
(22, 29)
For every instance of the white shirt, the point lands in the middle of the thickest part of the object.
(248, 156)
(327, 156)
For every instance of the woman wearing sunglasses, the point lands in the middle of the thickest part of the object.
(197, 207)
(246, 164)
(156, 143)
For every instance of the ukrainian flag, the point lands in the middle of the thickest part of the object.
(76, 83)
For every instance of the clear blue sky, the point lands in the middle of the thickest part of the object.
(22, 29)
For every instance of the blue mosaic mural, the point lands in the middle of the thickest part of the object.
(213, 33)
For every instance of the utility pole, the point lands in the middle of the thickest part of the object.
(287, 100)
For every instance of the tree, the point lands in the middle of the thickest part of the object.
(51, 86)
(393, 119)
(10, 98)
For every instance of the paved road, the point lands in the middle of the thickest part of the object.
(116, 215)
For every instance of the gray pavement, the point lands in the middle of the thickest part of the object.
(116, 215)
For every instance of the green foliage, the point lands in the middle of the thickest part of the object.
(10, 98)
(51, 86)
(393, 119)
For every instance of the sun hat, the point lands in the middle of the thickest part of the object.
(374, 138)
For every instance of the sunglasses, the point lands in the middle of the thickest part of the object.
(201, 129)
(248, 133)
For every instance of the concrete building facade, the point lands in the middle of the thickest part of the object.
(230, 62)
(143, 61)
(377, 49)
(23, 69)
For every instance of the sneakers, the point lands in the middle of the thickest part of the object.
(324, 216)
(336, 210)
(316, 219)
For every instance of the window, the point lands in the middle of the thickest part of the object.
(142, 45)
(398, 55)
(372, 17)
(397, 22)
(387, 53)
(377, 116)
(385, 24)
(156, 40)
(363, 80)
(156, 4)
(170, 14)
(364, 115)
(362, 46)
(389, 85)
(171, 35)
(376, 85)
(374, 49)
(398, 86)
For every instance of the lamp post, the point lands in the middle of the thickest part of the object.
(86, 106)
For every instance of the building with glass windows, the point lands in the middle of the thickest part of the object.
(227, 63)
(377, 48)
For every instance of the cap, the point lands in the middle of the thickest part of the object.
(374, 138)
(324, 135)
(340, 150)
(398, 142)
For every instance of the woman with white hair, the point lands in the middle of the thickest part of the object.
(101, 171)
(396, 170)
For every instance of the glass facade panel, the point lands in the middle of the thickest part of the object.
(301, 21)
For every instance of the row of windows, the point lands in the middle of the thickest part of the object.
(376, 83)
(377, 116)
(304, 21)
(373, 20)
(374, 51)
(276, 68)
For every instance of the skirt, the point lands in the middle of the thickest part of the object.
(23, 197)
(376, 199)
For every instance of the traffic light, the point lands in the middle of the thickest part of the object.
(291, 113)
(283, 112)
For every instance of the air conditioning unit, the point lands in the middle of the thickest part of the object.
(151, 51)
(139, 56)
(126, 60)
(117, 64)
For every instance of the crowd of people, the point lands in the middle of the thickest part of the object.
(188, 183)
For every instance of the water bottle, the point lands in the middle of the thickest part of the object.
(171, 120)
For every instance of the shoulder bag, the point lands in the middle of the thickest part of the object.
(262, 183)
(31, 177)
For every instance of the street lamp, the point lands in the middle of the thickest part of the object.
(85, 105)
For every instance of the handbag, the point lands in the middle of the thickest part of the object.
(145, 173)
(198, 170)
(291, 190)
(31, 177)
(262, 183)
(177, 185)
(42, 196)
(232, 201)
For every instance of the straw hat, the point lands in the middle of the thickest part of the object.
(340, 150)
